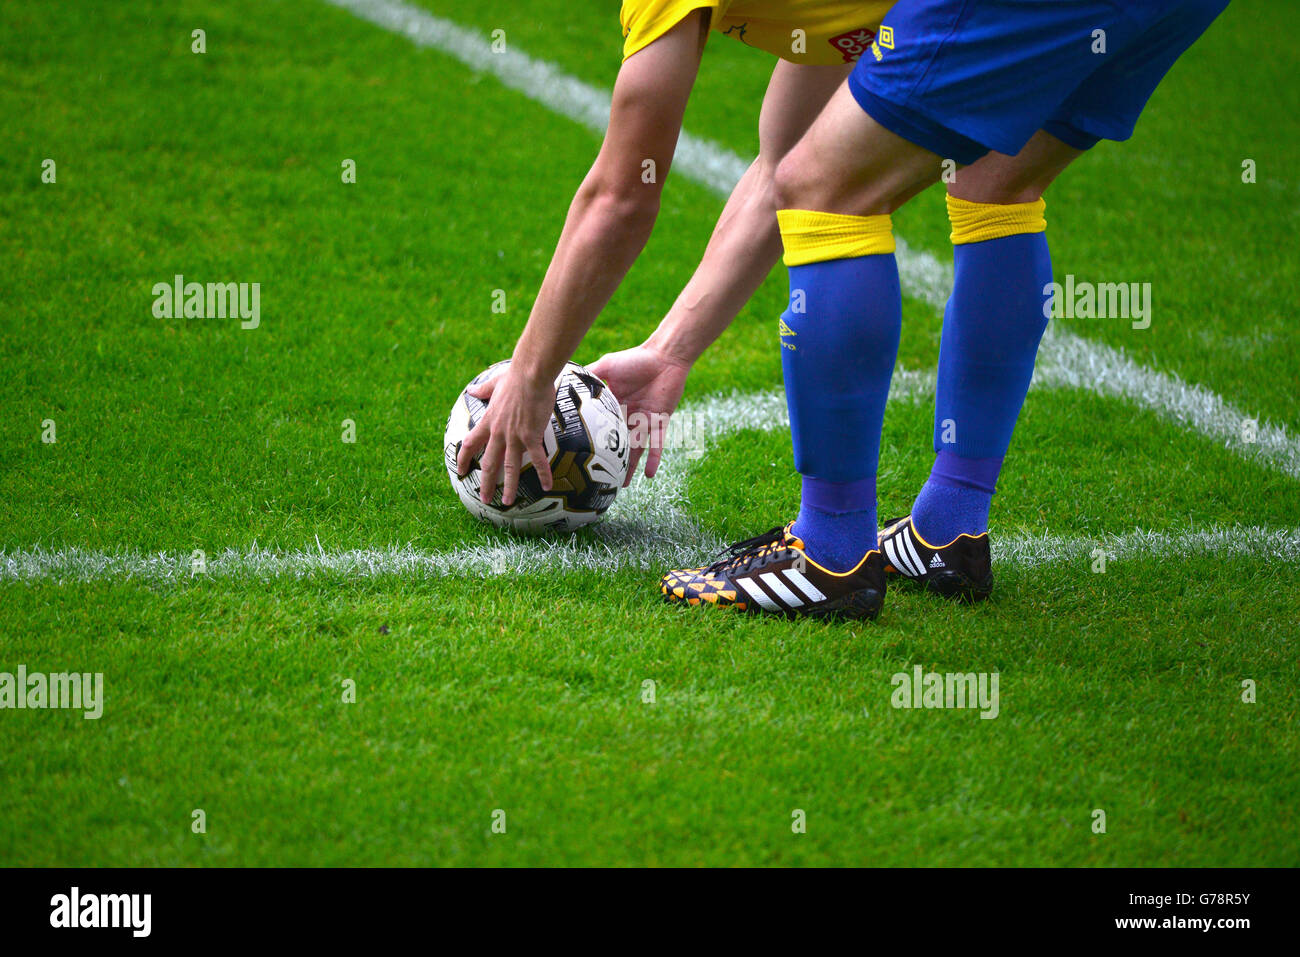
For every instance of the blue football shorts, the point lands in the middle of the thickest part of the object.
(962, 77)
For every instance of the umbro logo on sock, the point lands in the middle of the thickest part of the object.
(787, 331)
(937, 562)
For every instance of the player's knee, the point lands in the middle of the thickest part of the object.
(1002, 190)
(1008, 180)
(790, 182)
(801, 182)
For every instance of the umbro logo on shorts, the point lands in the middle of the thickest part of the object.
(884, 41)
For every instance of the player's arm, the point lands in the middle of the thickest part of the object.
(649, 379)
(607, 226)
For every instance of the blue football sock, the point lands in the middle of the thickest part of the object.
(837, 521)
(991, 329)
(839, 341)
(955, 499)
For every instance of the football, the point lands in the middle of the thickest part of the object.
(587, 446)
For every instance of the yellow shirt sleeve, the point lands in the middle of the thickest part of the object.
(645, 21)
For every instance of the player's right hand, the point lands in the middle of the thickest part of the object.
(649, 385)
(517, 414)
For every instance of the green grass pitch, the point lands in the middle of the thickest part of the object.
(524, 693)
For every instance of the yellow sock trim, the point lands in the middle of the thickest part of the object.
(976, 222)
(812, 237)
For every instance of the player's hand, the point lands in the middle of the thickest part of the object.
(648, 382)
(517, 416)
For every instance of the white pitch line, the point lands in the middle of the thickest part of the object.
(1231, 541)
(30, 566)
(1065, 360)
(648, 529)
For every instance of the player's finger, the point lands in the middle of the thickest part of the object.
(638, 433)
(603, 370)
(652, 461)
(634, 457)
(490, 465)
(470, 446)
(658, 438)
(510, 476)
(484, 390)
(537, 454)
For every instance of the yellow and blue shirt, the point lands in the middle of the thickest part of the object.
(801, 31)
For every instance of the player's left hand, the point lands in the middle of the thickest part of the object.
(518, 412)
(649, 383)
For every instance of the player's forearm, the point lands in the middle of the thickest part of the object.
(744, 247)
(603, 234)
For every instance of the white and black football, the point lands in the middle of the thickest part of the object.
(587, 444)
